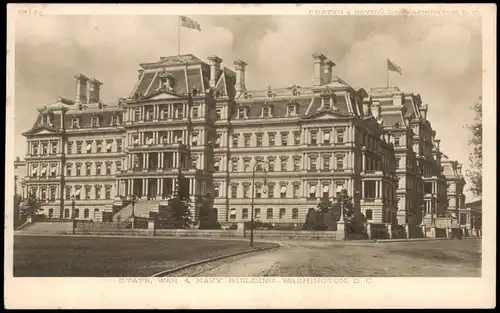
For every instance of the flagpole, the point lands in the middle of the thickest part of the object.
(387, 76)
(179, 36)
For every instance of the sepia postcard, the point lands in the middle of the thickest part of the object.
(257, 156)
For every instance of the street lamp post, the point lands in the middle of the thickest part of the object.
(73, 213)
(133, 199)
(253, 198)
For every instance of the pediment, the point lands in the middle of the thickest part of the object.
(162, 95)
(41, 130)
(325, 114)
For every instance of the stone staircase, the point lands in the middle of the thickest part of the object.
(142, 209)
(47, 228)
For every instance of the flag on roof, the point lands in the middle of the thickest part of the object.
(189, 23)
(391, 66)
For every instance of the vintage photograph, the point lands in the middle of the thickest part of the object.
(330, 144)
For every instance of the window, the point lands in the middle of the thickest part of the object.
(427, 188)
(53, 170)
(234, 166)
(266, 112)
(68, 170)
(88, 191)
(218, 114)
(340, 136)
(52, 193)
(109, 145)
(66, 213)
(396, 141)
(78, 169)
(114, 120)
(180, 113)
(194, 139)
(257, 213)
(98, 192)
(119, 146)
(283, 166)
(89, 147)
(326, 138)
(284, 139)
(195, 112)
(258, 193)
(35, 149)
(137, 115)
(86, 213)
(244, 214)
(313, 166)
(314, 138)
(246, 191)
(259, 140)
(296, 139)
(283, 192)
(75, 123)
(269, 214)
(51, 213)
(164, 113)
(100, 146)
(271, 140)
(295, 213)
(88, 168)
(94, 121)
(79, 147)
(398, 161)
(340, 162)
(271, 166)
(270, 191)
(98, 168)
(296, 190)
(369, 214)
(296, 165)
(242, 113)
(235, 140)
(194, 164)
(149, 115)
(312, 192)
(282, 213)
(234, 192)
(326, 164)
(77, 213)
(246, 166)
(291, 110)
(44, 170)
(216, 192)
(246, 140)
(108, 168)
(54, 147)
(108, 192)
(69, 148)
(96, 213)
(217, 141)
(34, 170)
(232, 214)
(45, 148)
(326, 191)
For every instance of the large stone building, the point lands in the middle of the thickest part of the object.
(199, 121)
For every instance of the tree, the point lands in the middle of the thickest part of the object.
(474, 173)
(176, 214)
(30, 207)
(17, 207)
(208, 214)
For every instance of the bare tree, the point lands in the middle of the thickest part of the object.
(474, 173)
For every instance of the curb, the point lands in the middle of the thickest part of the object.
(410, 239)
(183, 267)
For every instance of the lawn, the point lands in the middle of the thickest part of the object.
(65, 256)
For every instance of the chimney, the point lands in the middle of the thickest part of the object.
(239, 67)
(318, 60)
(328, 71)
(81, 88)
(398, 99)
(459, 168)
(214, 62)
(93, 86)
(423, 111)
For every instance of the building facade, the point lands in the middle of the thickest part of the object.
(286, 148)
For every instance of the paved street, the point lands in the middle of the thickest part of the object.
(449, 258)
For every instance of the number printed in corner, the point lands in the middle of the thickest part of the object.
(35, 12)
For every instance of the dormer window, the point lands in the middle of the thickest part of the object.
(242, 113)
(114, 120)
(80, 106)
(194, 91)
(295, 92)
(94, 122)
(266, 112)
(246, 95)
(291, 110)
(75, 122)
(99, 106)
(218, 94)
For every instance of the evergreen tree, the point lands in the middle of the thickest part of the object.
(30, 207)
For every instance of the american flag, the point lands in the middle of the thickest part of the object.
(393, 67)
(189, 23)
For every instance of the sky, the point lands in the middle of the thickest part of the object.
(440, 57)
